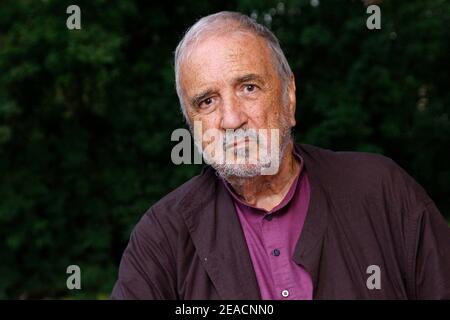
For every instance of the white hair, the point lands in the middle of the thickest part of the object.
(226, 22)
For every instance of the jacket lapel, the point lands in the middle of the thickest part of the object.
(218, 237)
(308, 249)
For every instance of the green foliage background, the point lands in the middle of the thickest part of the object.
(86, 116)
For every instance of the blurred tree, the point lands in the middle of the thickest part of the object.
(86, 116)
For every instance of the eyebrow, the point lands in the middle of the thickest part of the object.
(249, 77)
(198, 98)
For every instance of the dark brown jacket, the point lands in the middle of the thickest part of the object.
(364, 210)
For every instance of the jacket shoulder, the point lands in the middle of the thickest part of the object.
(352, 163)
(167, 213)
(367, 174)
(163, 221)
(188, 193)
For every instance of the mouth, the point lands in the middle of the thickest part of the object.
(238, 143)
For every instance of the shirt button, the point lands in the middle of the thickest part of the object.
(268, 217)
(285, 293)
(276, 252)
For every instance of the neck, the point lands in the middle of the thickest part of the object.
(267, 191)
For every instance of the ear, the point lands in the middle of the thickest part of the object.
(291, 101)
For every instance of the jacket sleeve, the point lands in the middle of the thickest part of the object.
(431, 254)
(146, 270)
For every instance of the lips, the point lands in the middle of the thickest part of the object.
(234, 144)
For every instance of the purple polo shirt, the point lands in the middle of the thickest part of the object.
(271, 238)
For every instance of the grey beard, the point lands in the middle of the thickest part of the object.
(234, 170)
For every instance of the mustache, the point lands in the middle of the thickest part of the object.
(232, 136)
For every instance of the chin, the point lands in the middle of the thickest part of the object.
(239, 170)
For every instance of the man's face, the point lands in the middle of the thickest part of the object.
(230, 85)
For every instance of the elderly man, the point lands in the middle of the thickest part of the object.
(323, 225)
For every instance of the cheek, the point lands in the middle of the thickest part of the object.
(210, 121)
(277, 112)
(257, 110)
(205, 126)
(265, 114)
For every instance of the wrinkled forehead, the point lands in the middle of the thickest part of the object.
(222, 56)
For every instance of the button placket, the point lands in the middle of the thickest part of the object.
(277, 261)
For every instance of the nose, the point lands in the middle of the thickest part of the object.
(233, 116)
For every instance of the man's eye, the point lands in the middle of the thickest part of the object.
(250, 87)
(205, 103)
